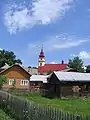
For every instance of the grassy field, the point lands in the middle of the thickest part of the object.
(3, 116)
(74, 105)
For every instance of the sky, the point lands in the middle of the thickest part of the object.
(61, 26)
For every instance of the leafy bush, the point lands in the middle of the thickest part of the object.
(3, 80)
(4, 116)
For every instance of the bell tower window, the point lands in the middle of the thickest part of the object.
(40, 64)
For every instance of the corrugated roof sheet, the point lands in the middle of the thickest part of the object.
(72, 76)
(41, 78)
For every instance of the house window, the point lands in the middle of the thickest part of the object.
(24, 82)
(11, 81)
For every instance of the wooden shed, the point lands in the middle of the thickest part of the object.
(38, 82)
(67, 83)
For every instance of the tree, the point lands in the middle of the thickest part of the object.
(88, 69)
(8, 57)
(77, 64)
(3, 80)
(29, 67)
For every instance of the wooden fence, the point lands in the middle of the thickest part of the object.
(22, 109)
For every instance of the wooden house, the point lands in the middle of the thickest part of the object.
(16, 74)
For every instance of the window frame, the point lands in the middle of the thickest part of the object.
(24, 82)
(11, 82)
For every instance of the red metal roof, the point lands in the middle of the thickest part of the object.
(51, 67)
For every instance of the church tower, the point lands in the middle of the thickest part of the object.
(41, 61)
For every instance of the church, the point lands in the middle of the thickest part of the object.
(46, 68)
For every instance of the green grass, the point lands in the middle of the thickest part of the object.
(3, 116)
(74, 105)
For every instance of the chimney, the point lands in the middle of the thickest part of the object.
(62, 62)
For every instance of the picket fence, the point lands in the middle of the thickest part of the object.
(22, 109)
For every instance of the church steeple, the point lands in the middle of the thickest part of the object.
(41, 53)
(41, 61)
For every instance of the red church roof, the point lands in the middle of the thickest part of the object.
(51, 67)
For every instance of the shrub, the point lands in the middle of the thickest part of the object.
(3, 80)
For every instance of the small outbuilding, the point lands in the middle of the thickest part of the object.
(38, 82)
(67, 83)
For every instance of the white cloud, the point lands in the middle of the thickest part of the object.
(48, 10)
(53, 62)
(1, 49)
(69, 44)
(17, 20)
(63, 42)
(58, 42)
(18, 17)
(83, 55)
